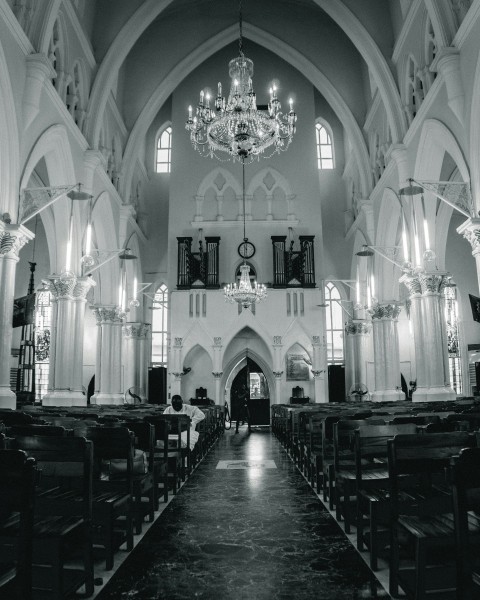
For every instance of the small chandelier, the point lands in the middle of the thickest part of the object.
(243, 292)
(236, 126)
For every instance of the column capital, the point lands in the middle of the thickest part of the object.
(386, 311)
(316, 340)
(178, 376)
(136, 330)
(318, 373)
(277, 340)
(13, 238)
(60, 288)
(412, 283)
(82, 287)
(178, 342)
(217, 374)
(217, 342)
(277, 374)
(108, 314)
(357, 327)
(433, 282)
(470, 230)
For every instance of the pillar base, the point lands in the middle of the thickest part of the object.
(388, 396)
(8, 399)
(57, 398)
(433, 394)
(116, 399)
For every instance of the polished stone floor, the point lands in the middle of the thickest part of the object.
(251, 529)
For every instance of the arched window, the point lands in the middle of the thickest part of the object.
(453, 345)
(163, 159)
(324, 147)
(334, 331)
(43, 328)
(159, 327)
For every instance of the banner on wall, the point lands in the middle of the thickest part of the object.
(24, 311)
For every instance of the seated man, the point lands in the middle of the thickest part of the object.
(195, 414)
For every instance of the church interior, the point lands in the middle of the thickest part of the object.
(278, 221)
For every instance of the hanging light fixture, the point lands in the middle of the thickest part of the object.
(237, 126)
(243, 292)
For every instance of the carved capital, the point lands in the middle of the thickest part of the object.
(388, 311)
(82, 287)
(433, 283)
(412, 283)
(12, 239)
(357, 327)
(136, 330)
(109, 314)
(178, 375)
(178, 342)
(316, 341)
(277, 340)
(471, 232)
(217, 374)
(277, 374)
(217, 342)
(60, 288)
(317, 373)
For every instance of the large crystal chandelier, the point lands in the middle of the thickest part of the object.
(236, 126)
(244, 292)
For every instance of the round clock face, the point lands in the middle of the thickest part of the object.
(246, 249)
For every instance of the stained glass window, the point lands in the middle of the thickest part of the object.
(454, 357)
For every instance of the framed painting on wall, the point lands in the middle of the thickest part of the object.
(297, 367)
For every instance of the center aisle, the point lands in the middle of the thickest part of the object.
(252, 530)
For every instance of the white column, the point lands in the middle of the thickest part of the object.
(219, 397)
(12, 239)
(60, 391)
(386, 352)
(429, 330)
(357, 331)
(319, 368)
(177, 371)
(135, 335)
(278, 386)
(79, 293)
(109, 321)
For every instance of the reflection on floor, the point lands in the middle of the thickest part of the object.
(248, 533)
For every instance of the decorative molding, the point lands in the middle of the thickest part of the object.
(277, 374)
(424, 110)
(12, 239)
(433, 282)
(178, 342)
(277, 340)
(82, 287)
(67, 118)
(82, 38)
(233, 223)
(217, 342)
(317, 373)
(357, 327)
(178, 375)
(108, 314)
(412, 283)
(470, 230)
(136, 330)
(60, 289)
(316, 341)
(388, 311)
(217, 374)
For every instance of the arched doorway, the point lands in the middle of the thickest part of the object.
(250, 392)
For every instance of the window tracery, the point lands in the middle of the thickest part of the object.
(325, 157)
(163, 156)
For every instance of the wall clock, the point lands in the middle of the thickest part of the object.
(246, 249)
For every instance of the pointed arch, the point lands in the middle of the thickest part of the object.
(209, 181)
(280, 181)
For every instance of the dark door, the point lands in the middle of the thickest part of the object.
(336, 383)
(250, 390)
(239, 395)
(157, 385)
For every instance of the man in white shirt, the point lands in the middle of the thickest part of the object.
(196, 415)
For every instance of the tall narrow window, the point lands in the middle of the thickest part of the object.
(159, 327)
(43, 328)
(334, 331)
(324, 147)
(454, 357)
(164, 151)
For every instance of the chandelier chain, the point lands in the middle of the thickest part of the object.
(243, 199)
(240, 27)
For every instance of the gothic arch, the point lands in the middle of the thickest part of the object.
(46, 18)
(235, 364)
(280, 181)
(209, 181)
(287, 53)
(246, 322)
(9, 143)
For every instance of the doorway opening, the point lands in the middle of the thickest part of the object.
(250, 396)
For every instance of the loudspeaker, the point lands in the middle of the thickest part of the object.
(336, 383)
